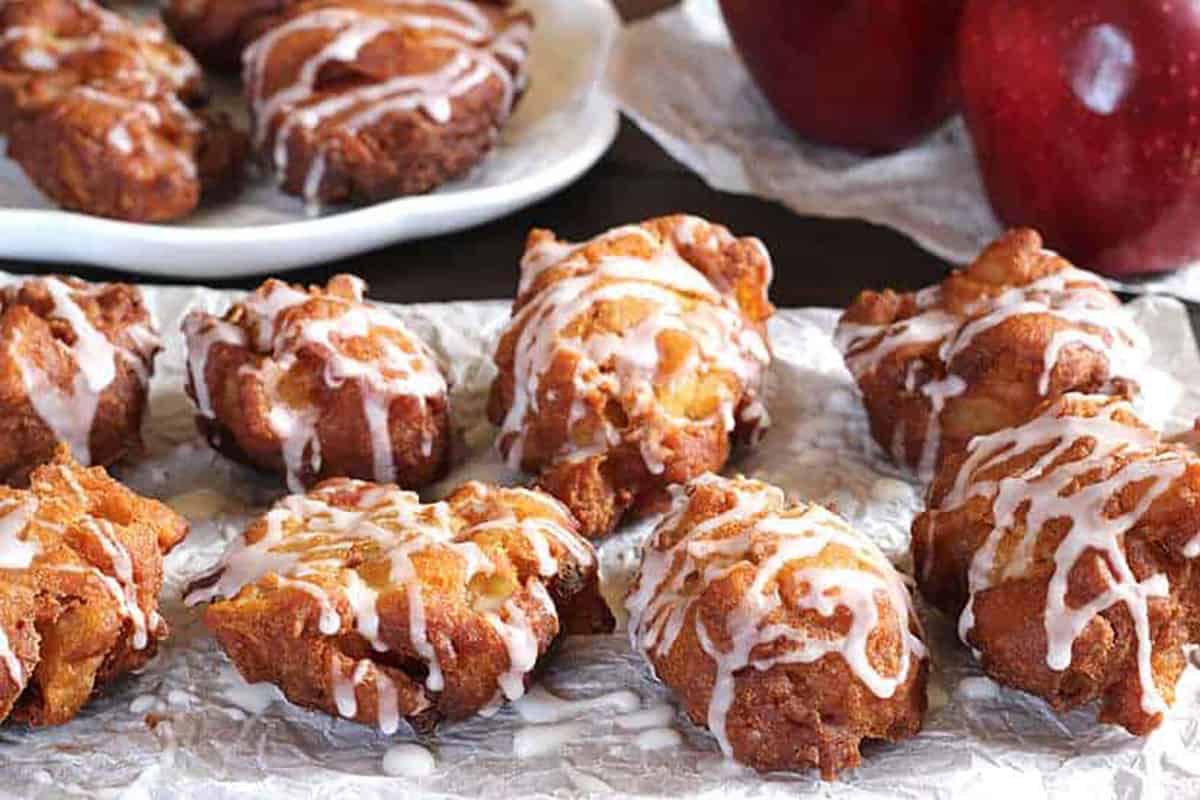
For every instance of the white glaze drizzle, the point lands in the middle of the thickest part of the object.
(520, 638)
(122, 584)
(479, 51)
(674, 576)
(43, 50)
(203, 331)
(1046, 491)
(15, 554)
(150, 62)
(396, 372)
(70, 412)
(146, 112)
(307, 538)
(1071, 296)
(627, 365)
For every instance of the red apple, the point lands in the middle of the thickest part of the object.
(866, 74)
(1086, 121)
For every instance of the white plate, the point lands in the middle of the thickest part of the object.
(562, 127)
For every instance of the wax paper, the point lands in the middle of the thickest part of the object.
(188, 725)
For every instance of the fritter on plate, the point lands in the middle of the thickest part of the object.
(112, 150)
(48, 47)
(373, 99)
(99, 111)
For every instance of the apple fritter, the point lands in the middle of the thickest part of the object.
(100, 112)
(782, 630)
(366, 100)
(80, 574)
(358, 600)
(75, 364)
(632, 362)
(316, 384)
(1066, 547)
(980, 351)
(48, 47)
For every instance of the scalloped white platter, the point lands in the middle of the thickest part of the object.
(563, 125)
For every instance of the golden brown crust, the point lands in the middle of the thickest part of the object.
(316, 384)
(109, 151)
(748, 608)
(58, 336)
(1103, 476)
(98, 113)
(416, 105)
(87, 537)
(52, 46)
(696, 309)
(1019, 325)
(485, 561)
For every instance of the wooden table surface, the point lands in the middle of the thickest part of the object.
(817, 261)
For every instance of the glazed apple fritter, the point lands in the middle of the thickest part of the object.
(48, 47)
(80, 574)
(359, 600)
(75, 363)
(983, 349)
(782, 630)
(631, 362)
(1066, 546)
(317, 384)
(99, 113)
(372, 99)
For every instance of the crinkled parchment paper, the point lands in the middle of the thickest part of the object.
(710, 116)
(188, 726)
(568, 48)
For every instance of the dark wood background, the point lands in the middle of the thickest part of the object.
(817, 261)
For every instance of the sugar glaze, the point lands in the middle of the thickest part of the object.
(1071, 296)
